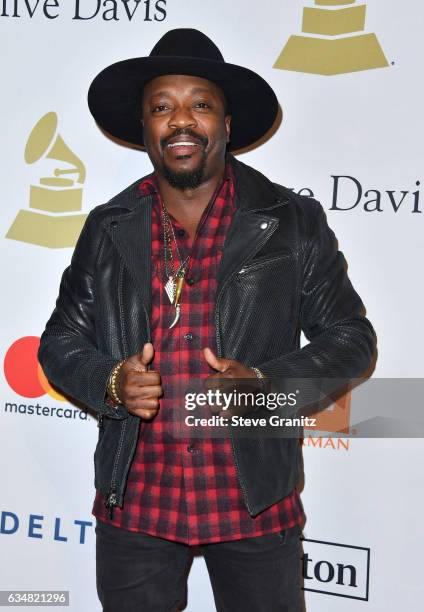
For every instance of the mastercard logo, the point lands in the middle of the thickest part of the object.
(23, 372)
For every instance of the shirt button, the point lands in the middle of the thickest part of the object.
(181, 232)
(190, 281)
(264, 225)
(191, 449)
(188, 336)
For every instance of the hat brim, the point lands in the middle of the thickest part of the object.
(115, 96)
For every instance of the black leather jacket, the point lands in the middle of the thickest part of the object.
(280, 273)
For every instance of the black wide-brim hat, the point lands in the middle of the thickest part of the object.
(115, 95)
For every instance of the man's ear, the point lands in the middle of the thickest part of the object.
(228, 126)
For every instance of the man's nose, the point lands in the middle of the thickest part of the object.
(182, 117)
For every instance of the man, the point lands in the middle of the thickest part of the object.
(202, 269)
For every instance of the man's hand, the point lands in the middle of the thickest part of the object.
(139, 389)
(226, 368)
(230, 369)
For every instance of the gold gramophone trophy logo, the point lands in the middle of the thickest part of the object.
(337, 44)
(58, 197)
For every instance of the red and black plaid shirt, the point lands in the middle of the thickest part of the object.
(181, 489)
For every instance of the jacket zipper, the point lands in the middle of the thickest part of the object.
(262, 264)
(112, 498)
(136, 438)
(218, 346)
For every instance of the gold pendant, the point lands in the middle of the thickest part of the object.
(178, 289)
(174, 290)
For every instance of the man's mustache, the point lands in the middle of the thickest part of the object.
(202, 140)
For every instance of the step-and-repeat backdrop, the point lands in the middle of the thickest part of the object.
(349, 79)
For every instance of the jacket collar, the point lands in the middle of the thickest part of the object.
(254, 191)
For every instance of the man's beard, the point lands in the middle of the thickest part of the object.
(188, 179)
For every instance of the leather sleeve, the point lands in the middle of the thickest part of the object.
(341, 339)
(68, 353)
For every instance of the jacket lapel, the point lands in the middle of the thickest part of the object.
(247, 234)
(131, 235)
(253, 224)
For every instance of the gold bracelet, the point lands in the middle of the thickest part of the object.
(111, 385)
(258, 373)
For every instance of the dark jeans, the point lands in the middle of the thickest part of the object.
(141, 573)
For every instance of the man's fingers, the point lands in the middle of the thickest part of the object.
(151, 391)
(140, 361)
(147, 408)
(217, 363)
(148, 403)
(141, 379)
(145, 392)
(145, 414)
(146, 356)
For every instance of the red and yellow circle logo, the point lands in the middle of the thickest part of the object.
(23, 371)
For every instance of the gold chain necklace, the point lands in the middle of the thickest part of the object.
(175, 282)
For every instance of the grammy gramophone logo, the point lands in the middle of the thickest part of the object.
(335, 42)
(52, 219)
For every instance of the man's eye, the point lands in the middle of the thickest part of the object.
(159, 108)
(203, 105)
